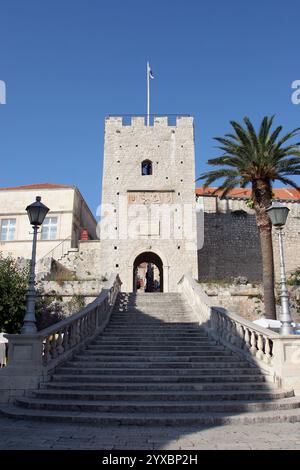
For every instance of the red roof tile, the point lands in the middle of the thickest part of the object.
(38, 186)
(280, 193)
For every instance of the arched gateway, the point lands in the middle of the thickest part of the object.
(148, 273)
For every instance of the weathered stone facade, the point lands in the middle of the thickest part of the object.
(129, 196)
(232, 244)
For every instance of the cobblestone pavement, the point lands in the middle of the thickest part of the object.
(19, 434)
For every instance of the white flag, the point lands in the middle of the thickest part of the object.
(150, 71)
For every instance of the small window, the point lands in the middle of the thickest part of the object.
(49, 228)
(146, 167)
(8, 229)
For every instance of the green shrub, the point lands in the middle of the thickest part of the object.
(13, 287)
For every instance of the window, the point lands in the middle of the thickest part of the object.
(146, 167)
(49, 228)
(8, 229)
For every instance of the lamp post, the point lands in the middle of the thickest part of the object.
(278, 215)
(36, 212)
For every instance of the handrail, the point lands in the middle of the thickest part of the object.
(60, 341)
(232, 330)
(51, 251)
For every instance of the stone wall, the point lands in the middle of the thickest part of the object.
(231, 248)
(66, 290)
(232, 244)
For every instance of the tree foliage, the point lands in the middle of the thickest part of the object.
(257, 159)
(13, 287)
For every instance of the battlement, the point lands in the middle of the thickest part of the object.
(140, 120)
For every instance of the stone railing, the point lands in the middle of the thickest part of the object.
(277, 355)
(31, 358)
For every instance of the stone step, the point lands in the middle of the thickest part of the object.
(132, 379)
(152, 311)
(209, 370)
(149, 324)
(154, 359)
(126, 349)
(99, 365)
(136, 335)
(143, 419)
(156, 342)
(165, 328)
(179, 366)
(158, 407)
(158, 387)
(165, 396)
(132, 354)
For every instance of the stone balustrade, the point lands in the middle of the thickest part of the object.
(275, 354)
(31, 358)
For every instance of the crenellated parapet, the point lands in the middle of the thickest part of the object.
(140, 121)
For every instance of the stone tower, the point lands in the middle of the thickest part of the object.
(148, 199)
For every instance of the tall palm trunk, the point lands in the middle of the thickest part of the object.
(262, 197)
(268, 272)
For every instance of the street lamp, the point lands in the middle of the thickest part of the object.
(278, 215)
(37, 212)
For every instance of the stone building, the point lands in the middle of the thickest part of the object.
(61, 230)
(153, 219)
(148, 199)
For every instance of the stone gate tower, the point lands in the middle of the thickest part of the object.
(148, 199)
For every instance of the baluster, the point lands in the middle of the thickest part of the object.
(260, 346)
(59, 347)
(53, 349)
(65, 342)
(240, 336)
(253, 348)
(99, 315)
(234, 335)
(47, 353)
(72, 335)
(247, 339)
(267, 355)
(228, 330)
(78, 326)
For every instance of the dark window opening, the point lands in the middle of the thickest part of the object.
(146, 167)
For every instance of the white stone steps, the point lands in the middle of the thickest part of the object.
(160, 406)
(200, 371)
(132, 355)
(161, 386)
(170, 348)
(156, 342)
(220, 378)
(185, 395)
(157, 365)
(153, 359)
(154, 365)
(142, 419)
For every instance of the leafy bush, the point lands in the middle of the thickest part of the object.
(13, 287)
(48, 315)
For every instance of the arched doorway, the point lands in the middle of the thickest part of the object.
(148, 273)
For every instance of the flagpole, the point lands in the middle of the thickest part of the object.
(148, 94)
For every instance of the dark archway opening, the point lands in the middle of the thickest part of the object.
(148, 273)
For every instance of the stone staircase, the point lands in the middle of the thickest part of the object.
(154, 365)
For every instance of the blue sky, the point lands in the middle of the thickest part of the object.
(69, 63)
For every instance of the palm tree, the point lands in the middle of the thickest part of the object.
(257, 159)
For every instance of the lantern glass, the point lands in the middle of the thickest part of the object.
(278, 215)
(37, 212)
